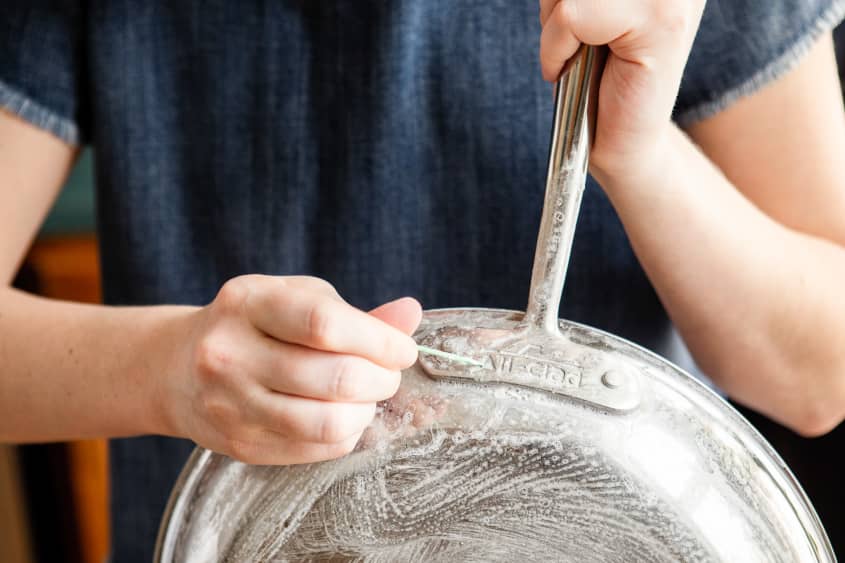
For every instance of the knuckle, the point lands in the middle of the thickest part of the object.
(211, 360)
(565, 14)
(233, 293)
(320, 325)
(344, 385)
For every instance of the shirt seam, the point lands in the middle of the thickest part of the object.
(770, 72)
(38, 115)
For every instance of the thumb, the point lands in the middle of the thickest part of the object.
(404, 314)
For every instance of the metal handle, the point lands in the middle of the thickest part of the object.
(572, 133)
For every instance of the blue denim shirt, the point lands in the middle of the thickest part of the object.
(392, 148)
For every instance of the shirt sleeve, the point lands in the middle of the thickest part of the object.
(742, 45)
(41, 65)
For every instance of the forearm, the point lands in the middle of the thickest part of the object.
(77, 371)
(759, 304)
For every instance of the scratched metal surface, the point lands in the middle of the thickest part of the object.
(468, 468)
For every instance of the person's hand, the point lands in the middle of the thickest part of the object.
(649, 44)
(280, 370)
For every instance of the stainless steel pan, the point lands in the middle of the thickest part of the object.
(569, 444)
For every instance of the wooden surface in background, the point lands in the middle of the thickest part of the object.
(68, 268)
(14, 537)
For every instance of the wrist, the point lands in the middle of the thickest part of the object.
(636, 171)
(162, 361)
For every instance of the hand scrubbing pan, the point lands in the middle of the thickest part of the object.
(565, 444)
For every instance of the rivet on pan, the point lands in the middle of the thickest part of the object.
(613, 379)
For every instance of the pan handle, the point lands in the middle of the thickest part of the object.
(576, 102)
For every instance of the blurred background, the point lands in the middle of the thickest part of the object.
(54, 497)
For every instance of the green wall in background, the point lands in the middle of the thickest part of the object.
(74, 210)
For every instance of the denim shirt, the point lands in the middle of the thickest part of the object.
(392, 148)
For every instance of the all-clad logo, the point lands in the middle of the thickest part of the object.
(521, 363)
(509, 365)
(531, 359)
